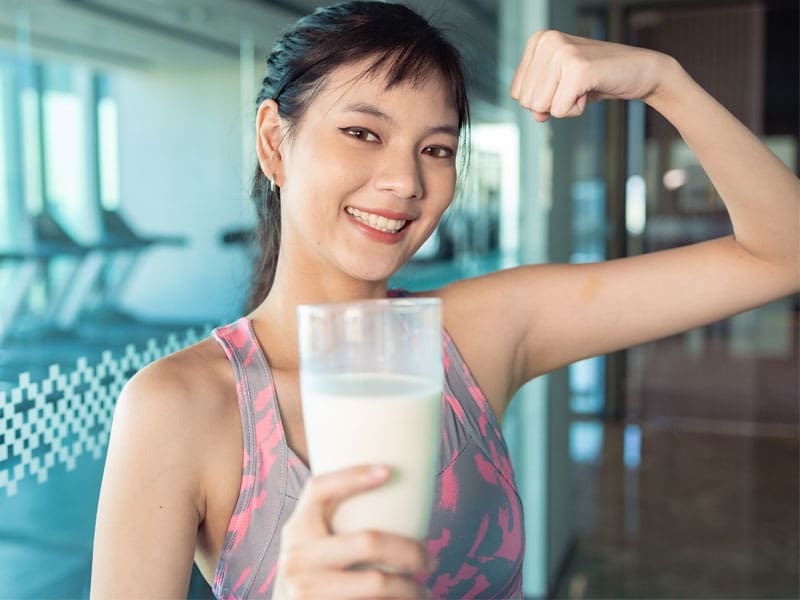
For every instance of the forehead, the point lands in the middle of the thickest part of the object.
(427, 97)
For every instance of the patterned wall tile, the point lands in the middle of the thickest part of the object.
(65, 416)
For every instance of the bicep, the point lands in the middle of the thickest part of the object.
(577, 311)
(147, 516)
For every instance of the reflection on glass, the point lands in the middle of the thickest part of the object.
(68, 174)
(586, 383)
(108, 146)
(65, 146)
(31, 150)
(632, 446)
(586, 442)
(5, 183)
(635, 205)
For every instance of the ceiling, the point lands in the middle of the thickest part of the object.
(144, 34)
(140, 34)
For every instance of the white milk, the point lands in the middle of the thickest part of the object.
(377, 419)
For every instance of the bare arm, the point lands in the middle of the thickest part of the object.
(760, 193)
(149, 507)
(564, 313)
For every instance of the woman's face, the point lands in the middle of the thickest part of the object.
(367, 173)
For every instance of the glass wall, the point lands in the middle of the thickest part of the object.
(697, 433)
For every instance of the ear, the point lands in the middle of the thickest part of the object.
(269, 135)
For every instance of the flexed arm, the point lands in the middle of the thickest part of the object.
(538, 318)
(560, 73)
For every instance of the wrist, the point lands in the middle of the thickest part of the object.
(671, 87)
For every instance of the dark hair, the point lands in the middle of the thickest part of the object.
(405, 47)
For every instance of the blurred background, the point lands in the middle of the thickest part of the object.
(126, 150)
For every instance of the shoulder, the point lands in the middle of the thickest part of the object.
(168, 413)
(187, 384)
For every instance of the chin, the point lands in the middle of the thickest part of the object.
(361, 268)
(374, 275)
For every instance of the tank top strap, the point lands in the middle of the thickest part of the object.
(264, 467)
(470, 405)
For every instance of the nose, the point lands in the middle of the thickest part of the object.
(400, 174)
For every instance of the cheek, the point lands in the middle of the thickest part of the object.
(438, 209)
(327, 172)
(444, 191)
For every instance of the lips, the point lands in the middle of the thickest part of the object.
(386, 222)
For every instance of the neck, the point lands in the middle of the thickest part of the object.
(309, 283)
(276, 317)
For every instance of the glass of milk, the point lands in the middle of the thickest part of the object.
(371, 384)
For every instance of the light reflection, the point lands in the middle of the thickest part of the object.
(635, 205)
(632, 446)
(675, 178)
(586, 442)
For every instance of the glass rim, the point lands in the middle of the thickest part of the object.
(368, 305)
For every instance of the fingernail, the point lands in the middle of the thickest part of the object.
(378, 471)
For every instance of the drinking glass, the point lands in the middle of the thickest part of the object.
(371, 384)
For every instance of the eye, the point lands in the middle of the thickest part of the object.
(360, 134)
(439, 151)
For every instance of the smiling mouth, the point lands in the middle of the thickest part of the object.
(376, 222)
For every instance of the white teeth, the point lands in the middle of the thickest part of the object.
(377, 222)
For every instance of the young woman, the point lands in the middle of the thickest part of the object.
(358, 126)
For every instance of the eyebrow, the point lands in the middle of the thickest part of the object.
(374, 111)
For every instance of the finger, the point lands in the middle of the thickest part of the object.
(524, 64)
(570, 97)
(541, 95)
(323, 493)
(371, 583)
(546, 74)
(402, 554)
(538, 86)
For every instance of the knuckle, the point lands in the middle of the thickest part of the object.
(377, 582)
(580, 63)
(540, 105)
(298, 589)
(553, 37)
(566, 53)
(369, 542)
(288, 565)
(533, 39)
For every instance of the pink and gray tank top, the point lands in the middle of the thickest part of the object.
(476, 530)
